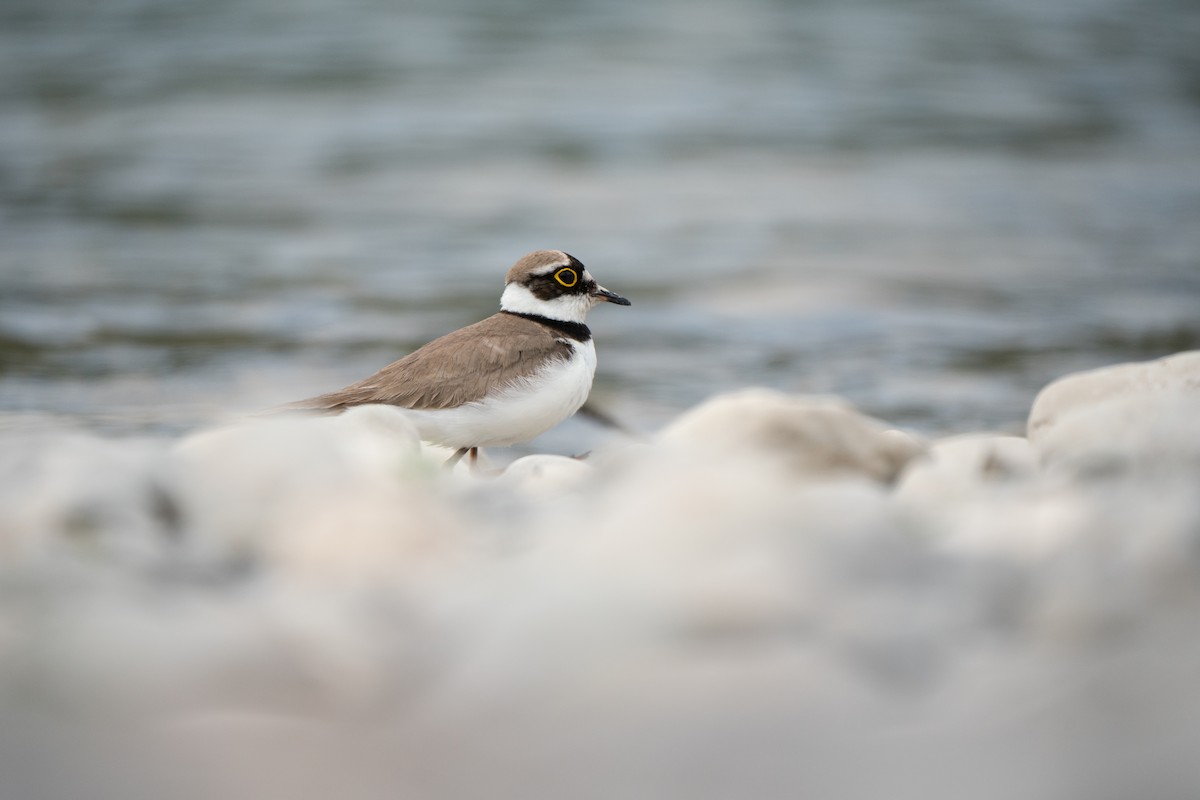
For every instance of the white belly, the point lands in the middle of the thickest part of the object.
(521, 412)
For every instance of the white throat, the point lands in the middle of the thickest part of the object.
(567, 308)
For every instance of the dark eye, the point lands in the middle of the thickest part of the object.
(567, 277)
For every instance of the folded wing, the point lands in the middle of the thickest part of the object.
(459, 368)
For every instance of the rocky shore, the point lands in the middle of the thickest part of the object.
(774, 596)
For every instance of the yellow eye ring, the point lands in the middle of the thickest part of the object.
(567, 277)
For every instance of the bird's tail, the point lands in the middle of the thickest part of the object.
(320, 405)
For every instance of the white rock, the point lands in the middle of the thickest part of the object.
(672, 544)
(808, 436)
(386, 428)
(1151, 434)
(75, 493)
(347, 494)
(379, 434)
(688, 603)
(1176, 374)
(983, 494)
(960, 465)
(545, 475)
(1140, 417)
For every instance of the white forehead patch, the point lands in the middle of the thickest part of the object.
(549, 269)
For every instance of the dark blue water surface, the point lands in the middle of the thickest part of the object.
(929, 207)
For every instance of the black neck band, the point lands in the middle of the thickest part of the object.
(574, 330)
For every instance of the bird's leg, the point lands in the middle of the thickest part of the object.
(453, 460)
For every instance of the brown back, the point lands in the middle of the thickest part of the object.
(456, 369)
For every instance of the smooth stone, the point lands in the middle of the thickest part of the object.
(961, 465)
(809, 436)
(1142, 417)
(545, 475)
(1179, 373)
(347, 495)
(382, 425)
(1153, 434)
(986, 495)
(79, 495)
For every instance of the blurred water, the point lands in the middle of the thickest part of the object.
(930, 207)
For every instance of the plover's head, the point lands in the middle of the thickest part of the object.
(554, 284)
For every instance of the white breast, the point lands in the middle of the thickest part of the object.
(520, 412)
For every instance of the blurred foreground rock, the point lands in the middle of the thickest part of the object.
(808, 436)
(777, 597)
(1126, 384)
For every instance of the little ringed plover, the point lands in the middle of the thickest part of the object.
(503, 380)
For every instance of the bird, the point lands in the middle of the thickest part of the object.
(503, 380)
